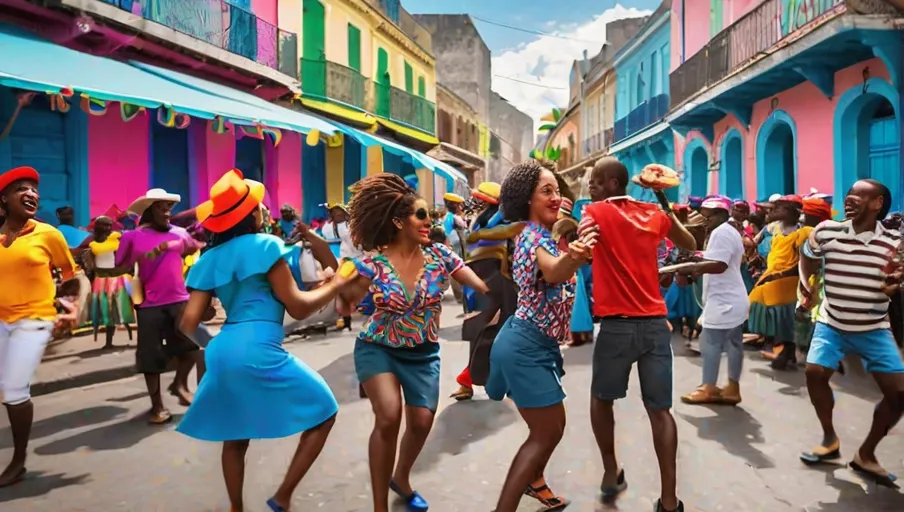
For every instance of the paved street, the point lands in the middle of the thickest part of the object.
(92, 451)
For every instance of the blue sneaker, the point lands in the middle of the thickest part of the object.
(274, 506)
(415, 502)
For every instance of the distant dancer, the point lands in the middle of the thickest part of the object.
(73, 235)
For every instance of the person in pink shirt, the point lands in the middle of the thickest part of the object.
(157, 248)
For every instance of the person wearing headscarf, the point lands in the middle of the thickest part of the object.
(255, 389)
(774, 297)
(815, 210)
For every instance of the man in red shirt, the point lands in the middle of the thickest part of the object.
(632, 312)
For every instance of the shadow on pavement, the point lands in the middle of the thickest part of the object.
(340, 375)
(40, 483)
(68, 421)
(795, 380)
(128, 398)
(462, 424)
(853, 496)
(115, 436)
(736, 430)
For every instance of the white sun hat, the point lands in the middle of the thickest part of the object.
(152, 196)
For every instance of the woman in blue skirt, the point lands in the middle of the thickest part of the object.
(525, 361)
(397, 352)
(253, 388)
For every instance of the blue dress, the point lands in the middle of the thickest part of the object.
(253, 388)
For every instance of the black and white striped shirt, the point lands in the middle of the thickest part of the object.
(855, 269)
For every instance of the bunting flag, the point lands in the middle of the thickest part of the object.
(219, 125)
(128, 111)
(92, 106)
(58, 101)
(255, 132)
(172, 119)
(274, 135)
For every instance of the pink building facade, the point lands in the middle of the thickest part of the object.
(784, 96)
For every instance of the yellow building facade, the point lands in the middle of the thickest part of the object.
(367, 64)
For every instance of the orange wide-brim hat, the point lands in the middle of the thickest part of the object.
(19, 173)
(232, 198)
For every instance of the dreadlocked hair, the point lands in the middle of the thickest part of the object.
(517, 189)
(377, 201)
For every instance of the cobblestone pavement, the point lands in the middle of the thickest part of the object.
(92, 451)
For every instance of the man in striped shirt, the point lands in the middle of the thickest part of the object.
(860, 271)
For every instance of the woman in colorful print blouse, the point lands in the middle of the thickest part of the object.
(525, 362)
(397, 354)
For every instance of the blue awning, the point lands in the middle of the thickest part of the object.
(416, 158)
(32, 63)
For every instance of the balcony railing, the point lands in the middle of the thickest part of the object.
(754, 33)
(647, 113)
(599, 141)
(398, 105)
(223, 25)
(333, 81)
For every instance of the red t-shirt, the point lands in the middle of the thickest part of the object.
(625, 266)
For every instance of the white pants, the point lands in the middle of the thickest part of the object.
(22, 345)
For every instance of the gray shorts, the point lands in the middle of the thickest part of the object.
(625, 341)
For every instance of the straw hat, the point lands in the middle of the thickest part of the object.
(449, 197)
(152, 196)
(232, 198)
(19, 173)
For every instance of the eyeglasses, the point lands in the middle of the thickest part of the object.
(421, 214)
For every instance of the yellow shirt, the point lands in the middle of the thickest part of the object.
(25, 273)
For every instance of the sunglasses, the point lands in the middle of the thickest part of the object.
(421, 214)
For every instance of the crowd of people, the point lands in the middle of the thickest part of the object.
(534, 268)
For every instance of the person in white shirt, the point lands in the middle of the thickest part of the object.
(337, 229)
(725, 305)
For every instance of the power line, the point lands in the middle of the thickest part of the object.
(535, 32)
(530, 83)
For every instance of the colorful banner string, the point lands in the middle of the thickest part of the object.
(172, 119)
(128, 111)
(92, 106)
(219, 125)
(58, 101)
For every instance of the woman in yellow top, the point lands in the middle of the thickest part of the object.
(774, 297)
(110, 303)
(29, 250)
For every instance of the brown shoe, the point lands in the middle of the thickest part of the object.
(705, 394)
(463, 393)
(731, 394)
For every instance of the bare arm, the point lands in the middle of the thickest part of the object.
(300, 304)
(678, 234)
(558, 269)
(195, 310)
(466, 276)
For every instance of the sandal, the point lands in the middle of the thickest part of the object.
(546, 497)
(873, 472)
(18, 477)
(161, 417)
(415, 502)
(463, 393)
(822, 454)
(703, 395)
(276, 507)
(620, 485)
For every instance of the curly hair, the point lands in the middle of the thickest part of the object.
(376, 202)
(517, 189)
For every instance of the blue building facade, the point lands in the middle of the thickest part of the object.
(642, 99)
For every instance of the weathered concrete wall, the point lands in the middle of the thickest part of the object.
(511, 139)
(462, 58)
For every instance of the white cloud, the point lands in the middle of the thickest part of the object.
(551, 58)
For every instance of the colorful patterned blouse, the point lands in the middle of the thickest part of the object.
(545, 305)
(402, 318)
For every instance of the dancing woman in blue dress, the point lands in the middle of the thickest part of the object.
(253, 388)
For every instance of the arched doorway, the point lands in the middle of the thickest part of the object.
(866, 138)
(731, 173)
(776, 155)
(696, 165)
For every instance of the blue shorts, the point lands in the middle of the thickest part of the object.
(417, 369)
(526, 365)
(876, 348)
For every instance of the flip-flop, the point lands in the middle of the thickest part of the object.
(15, 479)
(620, 485)
(885, 480)
(821, 454)
(414, 501)
(161, 418)
(549, 504)
(276, 507)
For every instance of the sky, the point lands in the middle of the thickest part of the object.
(543, 61)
